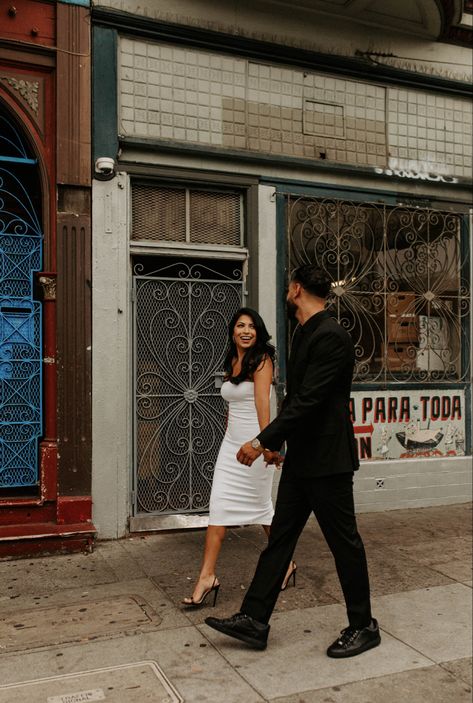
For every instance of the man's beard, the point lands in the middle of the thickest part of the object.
(291, 309)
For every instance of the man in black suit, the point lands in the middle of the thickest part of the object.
(317, 474)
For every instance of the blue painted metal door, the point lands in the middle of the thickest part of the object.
(20, 314)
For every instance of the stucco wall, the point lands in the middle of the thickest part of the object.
(111, 358)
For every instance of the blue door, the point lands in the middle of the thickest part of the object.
(20, 314)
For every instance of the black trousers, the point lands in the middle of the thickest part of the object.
(331, 500)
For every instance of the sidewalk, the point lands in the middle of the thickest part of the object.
(108, 626)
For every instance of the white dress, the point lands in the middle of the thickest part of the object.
(240, 495)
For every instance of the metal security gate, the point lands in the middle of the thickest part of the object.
(20, 314)
(181, 319)
(400, 282)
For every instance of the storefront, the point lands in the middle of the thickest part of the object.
(234, 166)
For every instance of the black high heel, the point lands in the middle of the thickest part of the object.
(287, 578)
(192, 604)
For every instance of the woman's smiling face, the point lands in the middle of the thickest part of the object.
(244, 333)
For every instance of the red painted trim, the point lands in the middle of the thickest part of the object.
(48, 470)
(43, 143)
(43, 530)
(49, 362)
(45, 538)
(74, 509)
(19, 502)
(26, 514)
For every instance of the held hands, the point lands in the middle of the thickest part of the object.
(273, 458)
(247, 455)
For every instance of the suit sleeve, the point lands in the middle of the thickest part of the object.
(327, 358)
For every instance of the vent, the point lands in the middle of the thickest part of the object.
(215, 218)
(185, 215)
(158, 213)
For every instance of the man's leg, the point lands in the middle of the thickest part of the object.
(333, 505)
(290, 515)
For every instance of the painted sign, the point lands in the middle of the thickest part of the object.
(409, 424)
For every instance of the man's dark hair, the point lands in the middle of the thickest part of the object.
(313, 279)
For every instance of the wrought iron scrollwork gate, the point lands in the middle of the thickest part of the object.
(20, 314)
(400, 280)
(180, 339)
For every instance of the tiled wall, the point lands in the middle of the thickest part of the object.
(174, 93)
(429, 129)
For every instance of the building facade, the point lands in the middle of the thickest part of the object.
(248, 139)
(45, 285)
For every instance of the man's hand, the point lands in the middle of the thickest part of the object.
(273, 458)
(246, 454)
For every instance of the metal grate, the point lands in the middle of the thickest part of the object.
(158, 214)
(186, 215)
(400, 284)
(181, 318)
(20, 315)
(215, 218)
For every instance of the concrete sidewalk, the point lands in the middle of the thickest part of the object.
(108, 626)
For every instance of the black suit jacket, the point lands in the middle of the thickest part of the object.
(315, 418)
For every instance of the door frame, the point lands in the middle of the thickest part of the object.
(139, 521)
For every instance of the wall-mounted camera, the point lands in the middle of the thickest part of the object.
(105, 168)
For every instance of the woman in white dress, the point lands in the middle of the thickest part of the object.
(240, 495)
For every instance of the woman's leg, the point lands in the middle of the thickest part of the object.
(213, 542)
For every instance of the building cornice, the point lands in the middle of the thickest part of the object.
(355, 67)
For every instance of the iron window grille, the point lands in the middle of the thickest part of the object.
(400, 284)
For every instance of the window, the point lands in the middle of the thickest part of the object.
(400, 283)
(195, 216)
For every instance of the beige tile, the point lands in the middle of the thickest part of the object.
(295, 660)
(461, 669)
(417, 686)
(435, 621)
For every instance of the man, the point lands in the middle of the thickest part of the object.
(317, 473)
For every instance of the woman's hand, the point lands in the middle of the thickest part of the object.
(273, 458)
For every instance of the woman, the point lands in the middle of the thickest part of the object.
(240, 495)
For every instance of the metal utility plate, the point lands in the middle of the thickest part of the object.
(141, 682)
(76, 622)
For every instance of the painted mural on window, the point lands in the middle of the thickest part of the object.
(409, 424)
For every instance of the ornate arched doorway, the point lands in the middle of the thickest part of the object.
(21, 244)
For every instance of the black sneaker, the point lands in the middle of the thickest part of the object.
(243, 628)
(352, 641)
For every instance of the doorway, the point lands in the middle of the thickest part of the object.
(182, 308)
(21, 242)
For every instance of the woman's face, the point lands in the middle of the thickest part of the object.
(244, 333)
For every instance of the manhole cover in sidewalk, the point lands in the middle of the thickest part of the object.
(141, 682)
(76, 622)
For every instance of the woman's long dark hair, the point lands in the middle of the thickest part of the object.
(253, 356)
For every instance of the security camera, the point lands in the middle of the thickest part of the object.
(105, 168)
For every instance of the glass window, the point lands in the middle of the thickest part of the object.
(400, 284)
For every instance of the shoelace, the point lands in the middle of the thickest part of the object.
(238, 616)
(348, 635)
